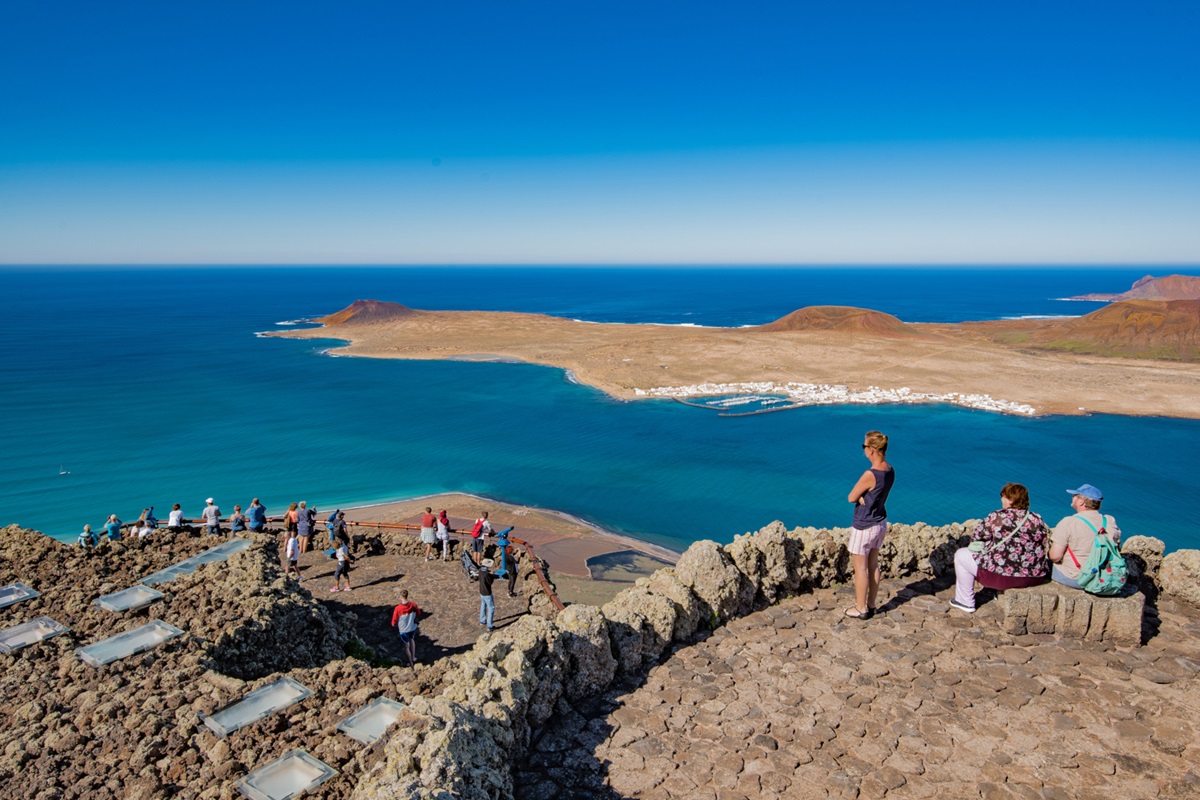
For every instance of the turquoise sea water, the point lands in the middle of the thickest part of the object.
(149, 387)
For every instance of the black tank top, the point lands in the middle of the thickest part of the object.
(872, 512)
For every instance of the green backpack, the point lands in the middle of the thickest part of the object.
(1104, 571)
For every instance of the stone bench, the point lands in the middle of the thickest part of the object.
(1051, 608)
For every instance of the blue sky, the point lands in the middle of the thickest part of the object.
(390, 132)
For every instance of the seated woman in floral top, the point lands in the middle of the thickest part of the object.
(1007, 551)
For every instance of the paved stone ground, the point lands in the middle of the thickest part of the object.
(448, 600)
(797, 702)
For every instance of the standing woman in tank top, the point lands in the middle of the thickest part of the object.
(870, 524)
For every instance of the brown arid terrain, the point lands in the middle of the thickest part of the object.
(1171, 287)
(1146, 329)
(1021, 362)
(843, 319)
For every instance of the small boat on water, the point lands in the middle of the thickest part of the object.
(62, 471)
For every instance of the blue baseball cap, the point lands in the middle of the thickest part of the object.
(1088, 491)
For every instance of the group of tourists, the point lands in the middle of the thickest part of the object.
(434, 530)
(300, 524)
(406, 615)
(298, 519)
(1012, 548)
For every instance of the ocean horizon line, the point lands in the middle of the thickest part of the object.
(620, 265)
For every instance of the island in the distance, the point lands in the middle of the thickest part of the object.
(1136, 357)
(1169, 287)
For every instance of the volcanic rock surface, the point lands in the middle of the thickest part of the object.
(132, 729)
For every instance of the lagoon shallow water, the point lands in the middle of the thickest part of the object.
(148, 387)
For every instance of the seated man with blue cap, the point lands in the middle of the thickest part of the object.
(1071, 542)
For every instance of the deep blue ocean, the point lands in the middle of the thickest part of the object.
(150, 387)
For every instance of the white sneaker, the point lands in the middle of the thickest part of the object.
(962, 607)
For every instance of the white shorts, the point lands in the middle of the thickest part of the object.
(864, 541)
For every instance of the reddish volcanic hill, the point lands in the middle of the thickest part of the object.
(841, 318)
(1172, 287)
(368, 311)
(1133, 328)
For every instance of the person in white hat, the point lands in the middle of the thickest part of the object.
(212, 517)
(1071, 542)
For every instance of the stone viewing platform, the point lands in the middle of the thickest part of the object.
(736, 675)
(733, 674)
(795, 701)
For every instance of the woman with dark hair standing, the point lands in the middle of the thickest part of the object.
(870, 524)
(1007, 550)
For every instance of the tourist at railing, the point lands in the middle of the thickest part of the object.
(145, 520)
(443, 534)
(112, 528)
(175, 518)
(428, 532)
(237, 523)
(290, 518)
(481, 529)
(257, 516)
(305, 518)
(212, 517)
(88, 538)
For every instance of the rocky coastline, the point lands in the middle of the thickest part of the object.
(133, 728)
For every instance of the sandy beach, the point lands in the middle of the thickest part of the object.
(628, 361)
